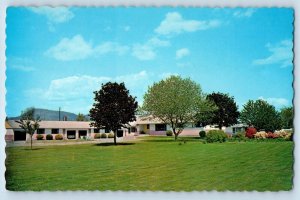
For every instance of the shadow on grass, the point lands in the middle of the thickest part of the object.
(180, 139)
(33, 149)
(112, 144)
(158, 140)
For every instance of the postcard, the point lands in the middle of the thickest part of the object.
(149, 99)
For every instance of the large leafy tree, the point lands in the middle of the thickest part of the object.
(113, 108)
(28, 122)
(261, 115)
(227, 112)
(287, 117)
(175, 101)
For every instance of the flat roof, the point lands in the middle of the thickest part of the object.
(57, 124)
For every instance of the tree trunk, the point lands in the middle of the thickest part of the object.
(220, 126)
(174, 131)
(176, 136)
(115, 137)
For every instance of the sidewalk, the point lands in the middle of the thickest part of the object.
(67, 142)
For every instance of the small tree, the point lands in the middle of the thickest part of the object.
(287, 117)
(80, 117)
(226, 113)
(175, 101)
(28, 122)
(261, 115)
(114, 107)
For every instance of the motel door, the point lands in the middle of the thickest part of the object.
(71, 134)
(19, 136)
(82, 133)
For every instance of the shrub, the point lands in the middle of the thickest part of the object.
(97, 136)
(240, 135)
(250, 132)
(142, 132)
(103, 135)
(261, 135)
(49, 137)
(272, 135)
(111, 135)
(39, 137)
(216, 136)
(202, 134)
(59, 137)
(169, 133)
(284, 134)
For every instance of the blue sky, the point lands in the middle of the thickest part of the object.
(57, 57)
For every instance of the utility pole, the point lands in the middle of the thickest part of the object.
(59, 114)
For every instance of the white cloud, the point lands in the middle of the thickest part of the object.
(109, 47)
(175, 24)
(76, 92)
(244, 13)
(277, 102)
(77, 48)
(147, 51)
(143, 52)
(281, 54)
(180, 53)
(54, 15)
(19, 64)
(73, 87)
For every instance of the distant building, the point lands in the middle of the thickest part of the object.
(72, 130)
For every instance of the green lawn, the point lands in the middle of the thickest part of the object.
(156, 163)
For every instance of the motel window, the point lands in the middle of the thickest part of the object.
(148, 126)
(96, 130)
(41, 131)
(107, 131)
(160, 127)
(55, 131)
(133, 129)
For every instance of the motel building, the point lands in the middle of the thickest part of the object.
(74, 130)
(153, 126)
(70, 130)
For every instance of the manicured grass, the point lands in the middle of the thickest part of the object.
(155, 163)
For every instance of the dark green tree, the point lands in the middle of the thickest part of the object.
(28, 122)
(261, 115)
(227, 112)
(113, 108)
(287, 117)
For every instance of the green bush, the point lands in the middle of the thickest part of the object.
(169, 133)
(39, 137)
(103, 135)
(240, 136)
(202, 134)
(59, 137)
(142, 132)
(49, 137)
(216, 136)
(111, 135)
(97, 136)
